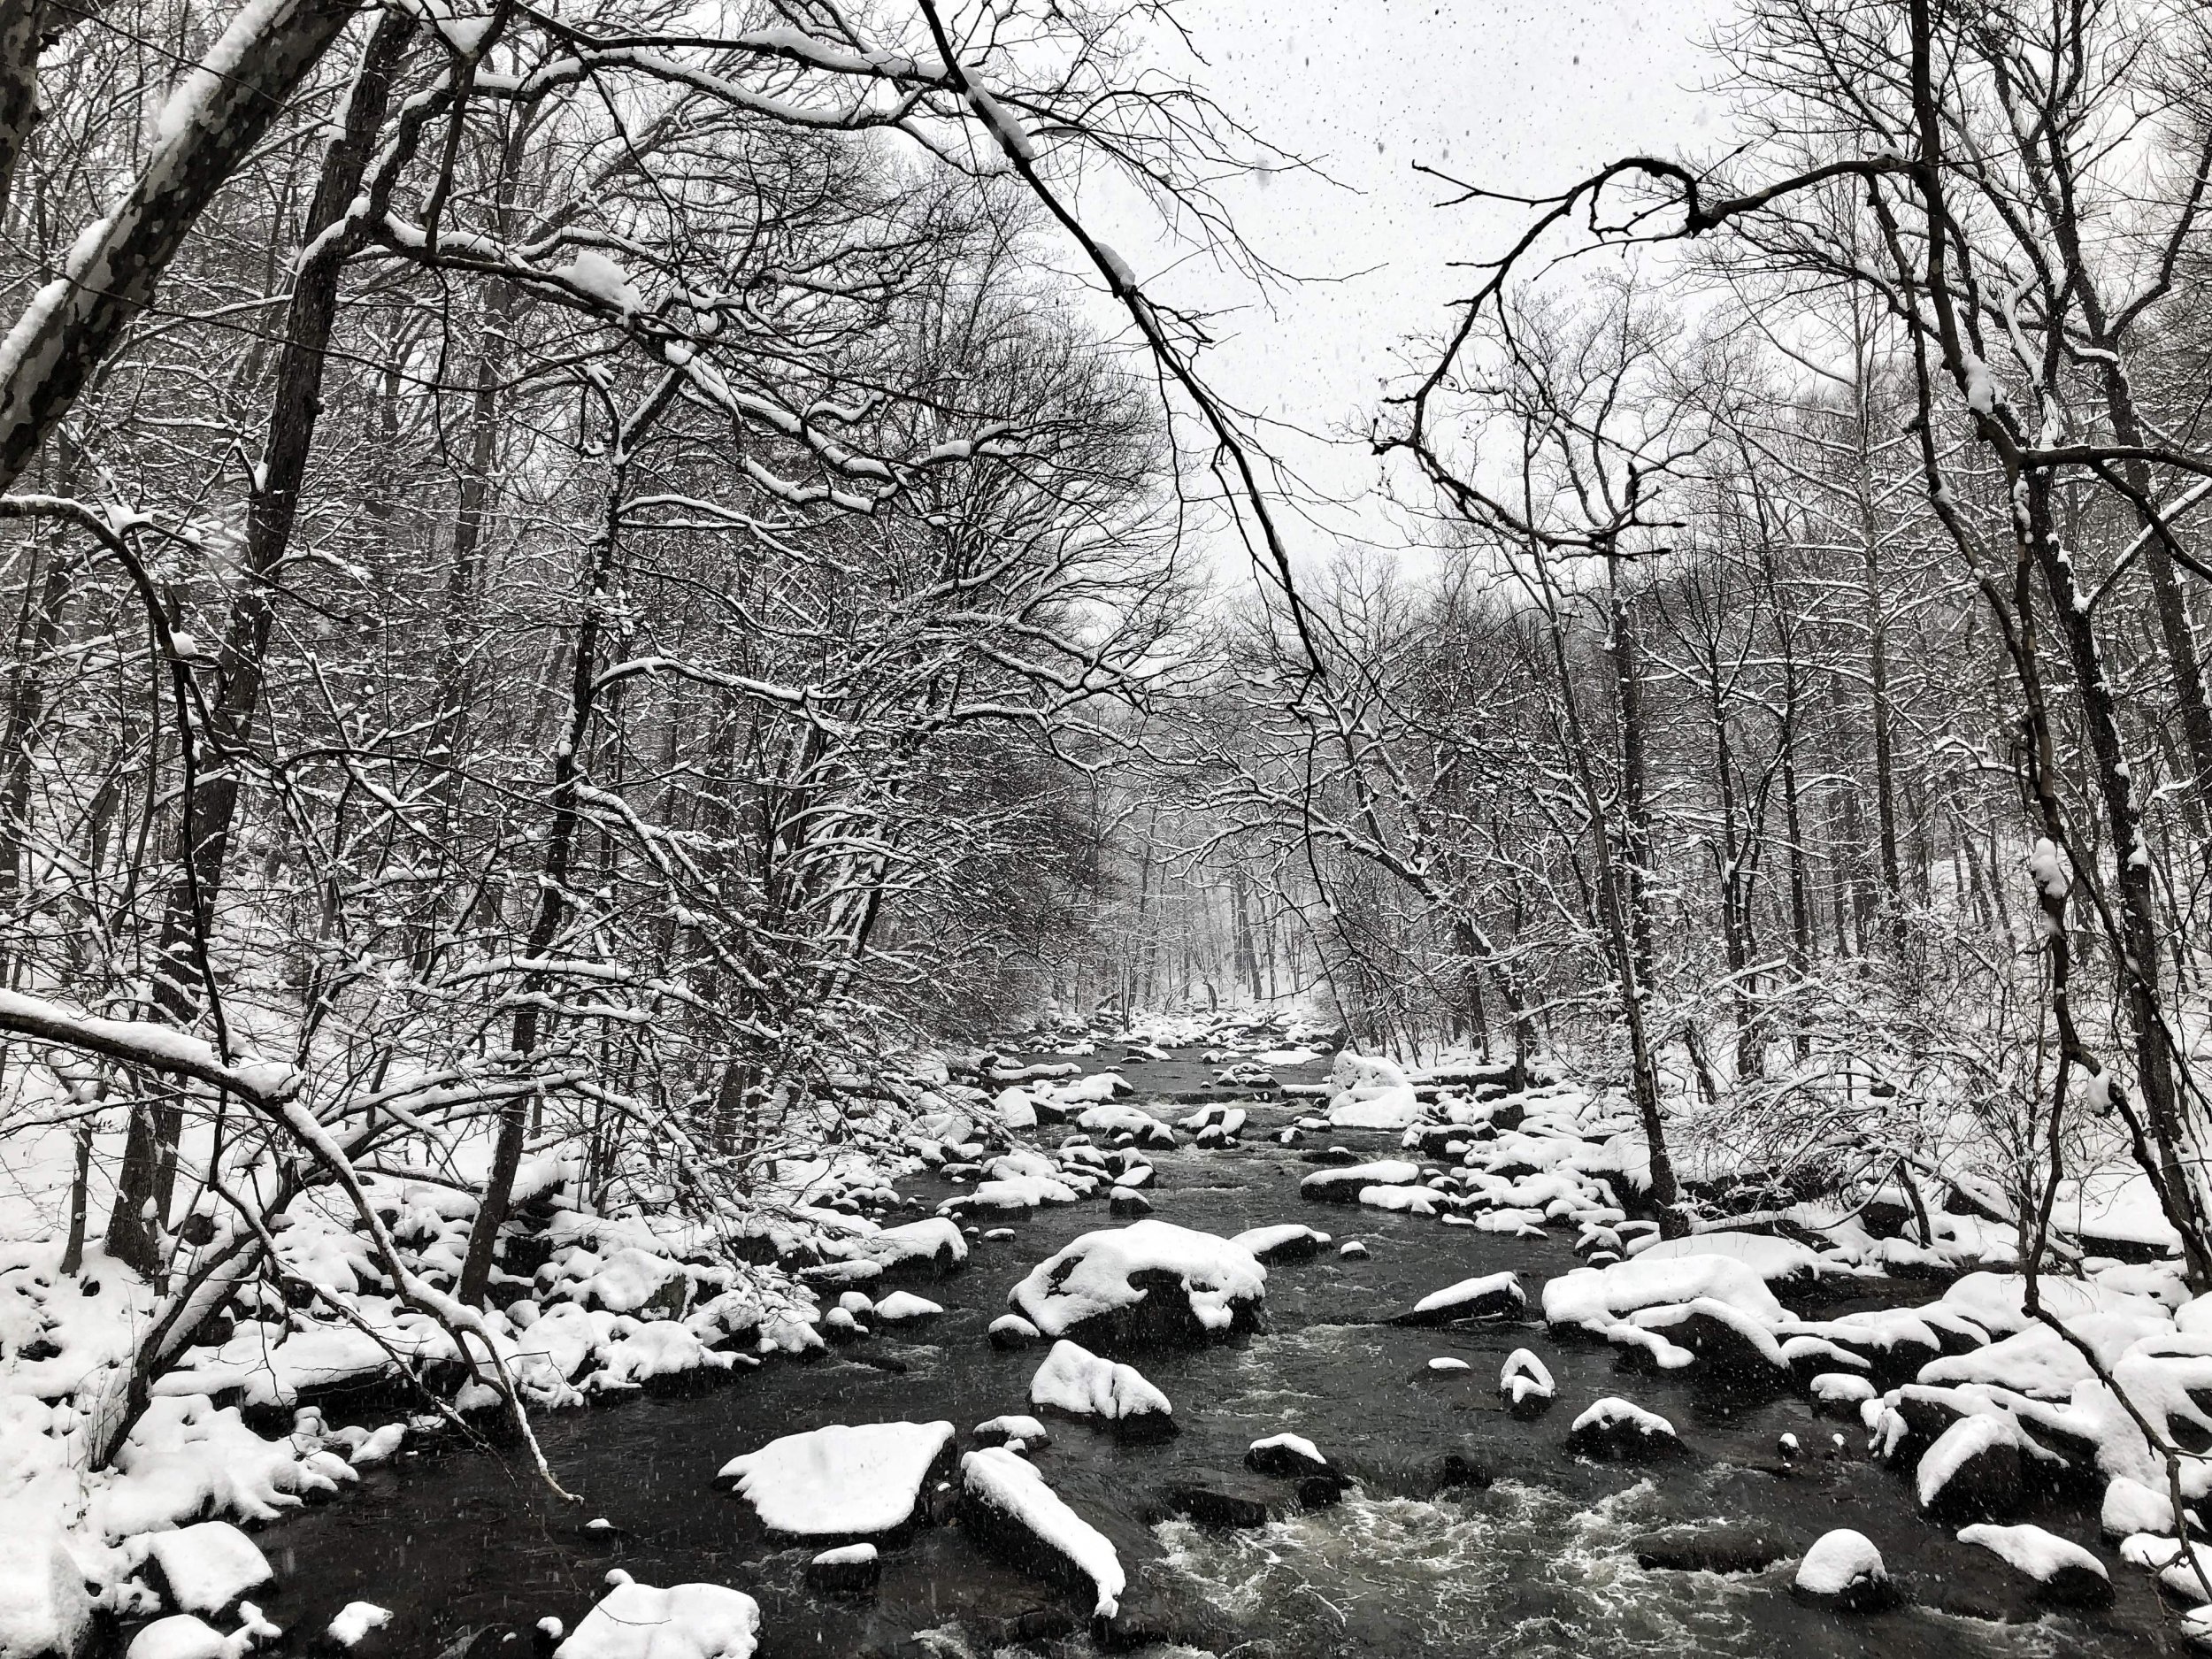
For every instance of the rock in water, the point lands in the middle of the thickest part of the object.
(1492, 1296)
(998, 1431)
(1076, 1381)
(1214, 1498)
(852, 1481)
(1843, 1569)
(1010, 1330)
(1526, 1385)
(2064, 1572)
(1149, 1283)
(1294, 1457)
(1287, 1242)
(208, 1567)
(853, 1570)
(1617, 1429)
(1342, 1186)
(1005, 1502)
(1973, 1470)
(1709, 1549)
(685, 1621)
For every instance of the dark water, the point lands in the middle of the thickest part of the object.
(459, 1539)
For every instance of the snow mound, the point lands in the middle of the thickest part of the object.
(209, 1566)
(1006, 1499)
(1372, 1093)
(1840, 1563)
(2041, 1556)
(43, 1605)
(842, 1481)
(1493, 1295)
(1768, 1257)
(1076, 1381)
(685, 1621)
(1103, 1283)
(1342, 1185)
(1525, 1382)
(1598, 1298)
(356, 1620)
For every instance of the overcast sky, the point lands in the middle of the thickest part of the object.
(1514, 95)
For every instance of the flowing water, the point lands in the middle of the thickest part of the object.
(464, 1546)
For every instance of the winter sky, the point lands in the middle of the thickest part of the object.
(1522, 95)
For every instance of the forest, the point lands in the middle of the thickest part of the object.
(656, 673)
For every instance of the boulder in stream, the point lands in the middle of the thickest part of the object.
(851, 1481)
(1844, 1570)
(1150, 1284)
(2064, 1572)
(1617, 1429)
(1078, 1382)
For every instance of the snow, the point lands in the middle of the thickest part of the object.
(209, 1566)
(1837, 1560)
(43, 1605)
(604, 281)
(1523, 1376)
(1447, 1363)
(1769, 1258)
(1090, 1278)
(846, 1555)
(1262, 1241)
(1612, 1410)
(1005, 1481)
(1966, 1439)
(1013, 1427)
(1297, 1443)
(1472, 1290)
(685, 1620)
(1020, 1192)
(1841, 1388)
(356, 1620)
(902, 1305)
(185, 1636)
(1372, 1093)
(1382, 1172)
(1596, 1298)
(840, 1480)
(1075, 1381)
(2038, 1553)
(2133, 1506)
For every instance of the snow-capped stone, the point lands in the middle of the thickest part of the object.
(1014, 1426)
(1841, 1390)
(1352, 1250)
(2129, 1506)
(1076, 1381)
(1526, 1385)
(1287, 1455)
(1150, 1283)
(44, 1609)
(1597, 1299)
(1843, 1567)
(847, 1481)
(852, 1570)
(1372, 1093)
(902, 1305)
(1616, 1428)
(934, 1240)
(208, 1567)
(1342, 1185)
(1446, 1362)
(1285, 1241)
(1492, 1297)
(1007, 1505)
(685, 1621)
(1973, 1468)
(354, 1622)
(2064, 1572)
(1127, 1201)
(1010, 1330)
(188, 1636)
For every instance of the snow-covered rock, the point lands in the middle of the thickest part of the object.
(1285, 1241)
(1148, 1283)
(1492, 1297)
(2133, 1506)
(1007, 1504)
(1526, 1385)
(1076, 1381)
(857, 1481)
(685, 1621)
(354, 1621)
(1287, 1455)
(851, 1569)
(207, 1568)
(1616, 1428)
(188, 1636)
(44, 1609)
(1973, 1468)
(1844, 1568)
(1011, 1426)
(2064, 1572)
(901, 1305)
(1372, 1093)
(1342, 1185)
(1010, 1330)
